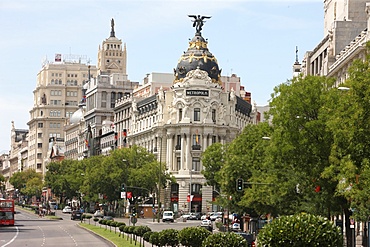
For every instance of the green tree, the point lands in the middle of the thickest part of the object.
(169, 237)
(64, 178)
(300, 147)
(300, 230)
(2, 182)
(349, 120)
(27, 181)
(224, 240)
(193, 236)
(33, 187)
(243, 159)
(213, 160)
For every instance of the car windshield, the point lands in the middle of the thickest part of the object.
(167, 214)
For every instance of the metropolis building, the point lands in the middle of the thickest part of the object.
(179, 123)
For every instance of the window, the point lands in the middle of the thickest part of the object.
(214, 115)
(39, 155)
(178, 143)
(112, 99)
(39, 145)
(196, 164)
(214, 139)
(55, 102)
(180, 114)
(39, 135)
(197, 114)
(40, 125)
(196, 139)
(178, 163)
(197, 188)
(38, 165)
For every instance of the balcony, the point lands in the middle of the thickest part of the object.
(196, 147)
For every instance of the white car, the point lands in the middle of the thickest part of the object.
(168, 216)
(185, 216)
(217, 215)
(98, 214)
(67, 210)
(206, 223)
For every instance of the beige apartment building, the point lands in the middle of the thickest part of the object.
(56, 97)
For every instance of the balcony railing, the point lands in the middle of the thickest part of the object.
(196, 147)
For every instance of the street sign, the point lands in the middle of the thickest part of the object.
(123, 195)
(189, 198)
(129, 195)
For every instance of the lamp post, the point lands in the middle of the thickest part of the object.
(190, 189)
(159, 181)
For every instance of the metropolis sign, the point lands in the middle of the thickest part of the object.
(197, 93)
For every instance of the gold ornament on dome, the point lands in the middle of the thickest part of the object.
(198, 44)
(192, 57)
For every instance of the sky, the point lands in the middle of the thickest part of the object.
(254, 39)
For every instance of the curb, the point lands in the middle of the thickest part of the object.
(110, 243)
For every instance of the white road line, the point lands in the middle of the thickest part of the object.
(11, 241)
(74, 240)
(43, 236)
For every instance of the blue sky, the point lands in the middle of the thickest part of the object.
(254, 39)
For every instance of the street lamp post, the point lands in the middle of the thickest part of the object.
(190, 189)
(159, 181)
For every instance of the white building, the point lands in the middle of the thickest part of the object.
(180, 122)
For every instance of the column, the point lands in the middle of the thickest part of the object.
(187, 151)
(182, 151)
(204, 142)
(170, 152)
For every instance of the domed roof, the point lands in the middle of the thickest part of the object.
(198, 56)
(76, 117)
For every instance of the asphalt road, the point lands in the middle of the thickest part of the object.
(32, 230)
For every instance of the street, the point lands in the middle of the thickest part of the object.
(31, 230)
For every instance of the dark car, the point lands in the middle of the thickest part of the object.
(76, 215)
(248, 237)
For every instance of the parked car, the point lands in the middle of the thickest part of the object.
(168, 216)
(248, 237)
(108, 218)
(194, 216)
(67, 210)
(217, 215)
(76, 215)
(207, 224)
(185, 216)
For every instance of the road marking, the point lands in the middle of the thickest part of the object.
(11, 241)
(43, 236)
(74, 240)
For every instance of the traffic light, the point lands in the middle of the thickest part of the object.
(239, 184)
(123, 187)
(134, 211)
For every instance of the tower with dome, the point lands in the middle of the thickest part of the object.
(179, 123)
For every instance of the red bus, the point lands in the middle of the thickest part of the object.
(6, 212)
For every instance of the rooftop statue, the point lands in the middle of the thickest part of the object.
(199, 22)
